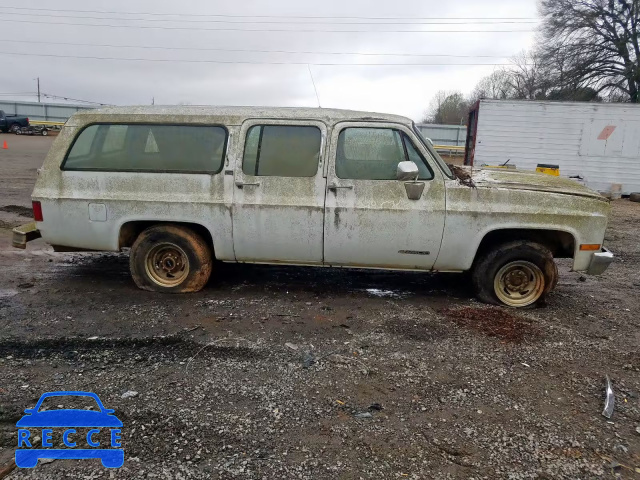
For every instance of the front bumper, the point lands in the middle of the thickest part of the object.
(600, 262)
(24, 234)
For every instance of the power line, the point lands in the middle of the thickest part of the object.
(227, 29)
(266, 16)
(233, 62)
(244, 22)
(237, 50)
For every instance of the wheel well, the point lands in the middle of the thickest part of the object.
(561, 244)
(129, 231)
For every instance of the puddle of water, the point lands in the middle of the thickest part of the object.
(377, 292)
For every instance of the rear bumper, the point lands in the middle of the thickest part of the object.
(600, 262)
(24, 234)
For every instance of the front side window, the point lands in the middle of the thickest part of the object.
(374, 154)
(282, 151)
(163, 148)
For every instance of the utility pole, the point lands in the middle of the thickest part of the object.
(153, 100)
(38, 89)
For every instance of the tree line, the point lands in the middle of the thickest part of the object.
(587, 50)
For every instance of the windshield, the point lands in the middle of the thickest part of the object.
(443, 166)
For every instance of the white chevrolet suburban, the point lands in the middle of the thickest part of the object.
(183, 187)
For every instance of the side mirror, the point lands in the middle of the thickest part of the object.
(407, 171)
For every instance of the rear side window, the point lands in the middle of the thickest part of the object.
(374, 154)
(162, 148)
(282, 151)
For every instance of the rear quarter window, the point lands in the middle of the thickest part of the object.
(148, 148)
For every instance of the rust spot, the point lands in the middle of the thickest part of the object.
(463, 175)
(493, 322)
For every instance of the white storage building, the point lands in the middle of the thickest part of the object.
(599, 142)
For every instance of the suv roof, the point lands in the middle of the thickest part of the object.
(225, 115)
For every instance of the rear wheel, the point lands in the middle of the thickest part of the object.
(14, 128)
(515, 274)
(171, 259)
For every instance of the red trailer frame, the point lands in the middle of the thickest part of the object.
(472, 131)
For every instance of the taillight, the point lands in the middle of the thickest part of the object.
(37, 211)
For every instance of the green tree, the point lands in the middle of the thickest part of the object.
(448, 108)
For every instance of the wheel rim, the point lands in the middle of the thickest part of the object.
(519, 283)
(167, 264)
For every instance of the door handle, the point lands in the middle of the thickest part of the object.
(241, 184)
(333, 187)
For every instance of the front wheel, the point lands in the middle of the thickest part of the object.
(515, 274)
(170, 259)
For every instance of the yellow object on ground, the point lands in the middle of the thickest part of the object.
(548, 169)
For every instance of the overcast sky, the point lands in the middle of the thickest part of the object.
(203, 31)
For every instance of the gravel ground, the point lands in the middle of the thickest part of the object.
(277, 372)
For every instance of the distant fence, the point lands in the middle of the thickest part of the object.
(48, 112)
(452, 135)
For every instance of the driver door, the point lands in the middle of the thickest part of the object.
(370, 221)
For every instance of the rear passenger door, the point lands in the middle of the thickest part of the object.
(278, 202)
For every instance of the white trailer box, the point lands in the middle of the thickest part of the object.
(599, 142)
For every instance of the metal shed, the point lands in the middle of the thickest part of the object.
(450, 135)
(50, 112)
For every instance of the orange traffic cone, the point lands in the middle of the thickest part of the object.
(5, 146)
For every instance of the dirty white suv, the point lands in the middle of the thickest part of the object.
(183, 187)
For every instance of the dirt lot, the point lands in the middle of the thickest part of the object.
(274, 372)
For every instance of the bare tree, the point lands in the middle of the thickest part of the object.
(598, 43)
(529, 76)
(496, 86)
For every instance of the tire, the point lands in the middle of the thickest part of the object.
(635, 197)
(14, 127)
(516, 274)
(170, 259)
(44, 133)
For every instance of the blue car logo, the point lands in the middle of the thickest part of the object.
(27, 455)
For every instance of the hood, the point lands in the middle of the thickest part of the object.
(527, 180)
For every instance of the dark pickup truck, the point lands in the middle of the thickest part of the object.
(11, 123)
